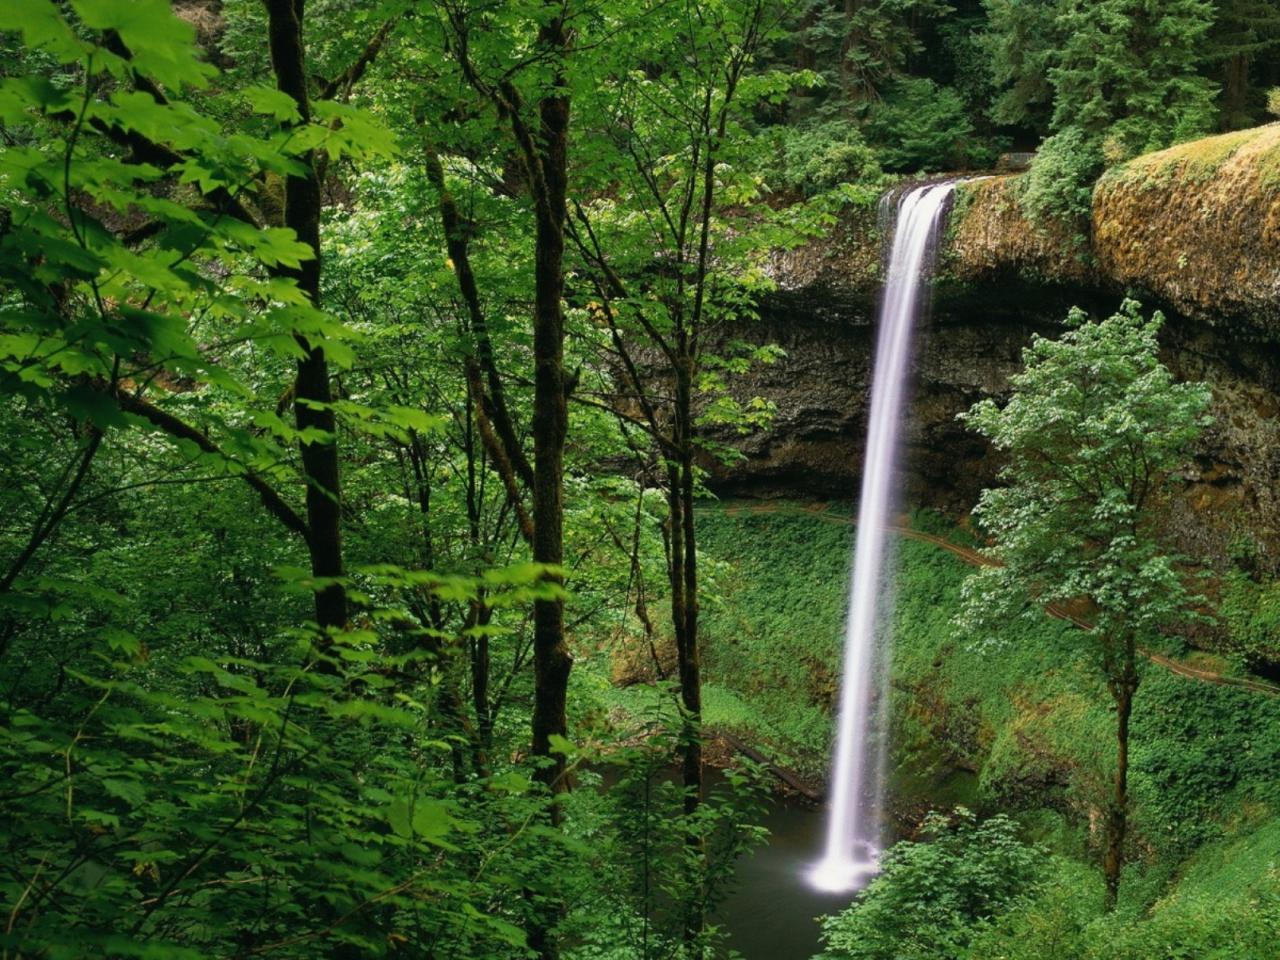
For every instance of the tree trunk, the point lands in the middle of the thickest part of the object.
(312, 388)
(1235, 92)
(1122, 690)
(690, 659)
(684, 617)
(480, 673)
(551, 660)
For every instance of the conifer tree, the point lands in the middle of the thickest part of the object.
(1126, 71)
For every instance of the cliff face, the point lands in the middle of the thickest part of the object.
(1198, 226)
(1159, 233)
(815, 444)
(1194, 229)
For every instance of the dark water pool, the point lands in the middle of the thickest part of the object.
(772, 914)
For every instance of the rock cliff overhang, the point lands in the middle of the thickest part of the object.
(1194, 230)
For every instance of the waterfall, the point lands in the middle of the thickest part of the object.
(852, 848)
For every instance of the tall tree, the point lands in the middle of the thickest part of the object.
(670, 260)
(313, 395)
(861, 46)
(533, 102)
(1125, 76)
(1127, 70)
(1244, 33)
(1094, 431)
(1021, 39)
(531, 96)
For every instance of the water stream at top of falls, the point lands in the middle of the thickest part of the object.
(853, 837)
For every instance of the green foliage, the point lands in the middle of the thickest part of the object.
(931, 894)
(1126, 72)
(1109, 79)
(656, 858)
(921, 126)
(1059, 186)
(864, 47)
(777, 576)
(1021, 40)
(1251, 612)
(1094, 429)
(164, 802)
(817, 157)
(1245, 35)
(1224, 907)
(1198, 751)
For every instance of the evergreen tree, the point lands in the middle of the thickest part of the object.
(1124, 79)
(861, 46)
(1244, 33)
(1020, 41)
(1126, 71)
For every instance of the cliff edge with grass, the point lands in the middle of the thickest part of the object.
(1198, 225)
(1194, 229)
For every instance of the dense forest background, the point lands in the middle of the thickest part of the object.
(361, 365)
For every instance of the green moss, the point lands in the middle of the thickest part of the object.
(1200, 161)
(1196, 161)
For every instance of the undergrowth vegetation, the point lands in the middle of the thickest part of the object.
(1031, 722)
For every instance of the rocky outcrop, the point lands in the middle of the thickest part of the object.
(990, 240)
(1000, 281)
(1198, 226)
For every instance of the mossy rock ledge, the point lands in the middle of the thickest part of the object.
(1194, 230)
(1198, 225)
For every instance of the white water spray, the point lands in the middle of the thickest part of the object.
(853, 841)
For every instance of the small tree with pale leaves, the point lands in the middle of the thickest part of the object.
(1093, 433)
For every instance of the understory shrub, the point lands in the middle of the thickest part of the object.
(931, 896)
(1225, 906)
(1251, 611)
(1060, 183)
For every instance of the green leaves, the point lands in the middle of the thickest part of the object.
(274, 103)
(1094, 432)
(114, 260)
(424, 819)
(351, 132)
(931, 898)
(43, 29)
(160, 44)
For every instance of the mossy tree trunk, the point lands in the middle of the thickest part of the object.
(1123, 685)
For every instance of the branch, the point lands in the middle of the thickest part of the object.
(175, 427)
(53, 514)
(345, 81)
(497, 452)
(456, 230)
(148, 151)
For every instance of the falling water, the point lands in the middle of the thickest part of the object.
(857, 785)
